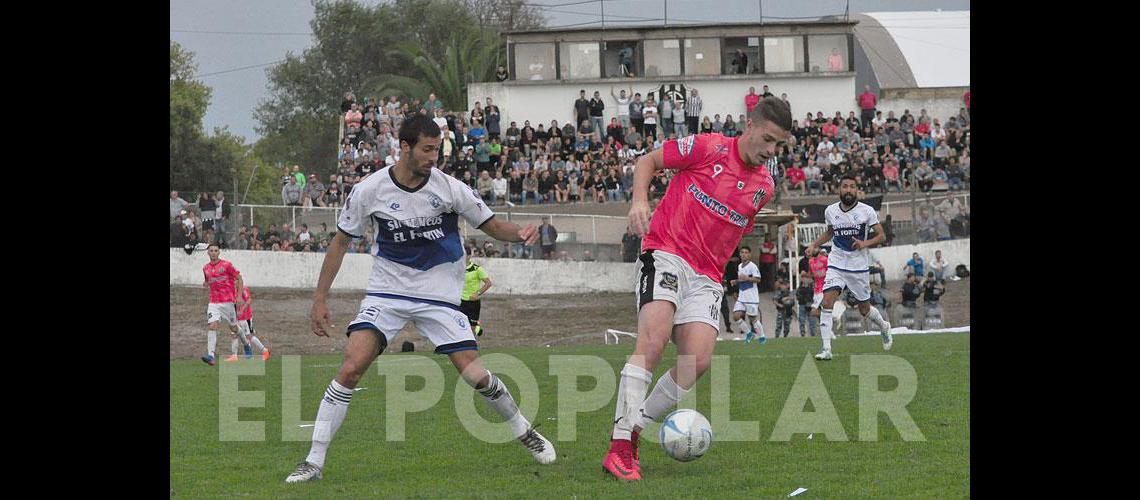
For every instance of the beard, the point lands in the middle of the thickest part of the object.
(847, 199)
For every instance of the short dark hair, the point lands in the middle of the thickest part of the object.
(848, 177)
(774, 110)
(746, 247)
(219, 248)
(418, 126)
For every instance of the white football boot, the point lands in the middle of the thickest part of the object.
(538, 446)
(824, 355)
(305, 472)
(888, 339)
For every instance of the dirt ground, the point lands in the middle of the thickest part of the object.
(280, 317)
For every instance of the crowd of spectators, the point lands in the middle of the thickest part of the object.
(590, 161)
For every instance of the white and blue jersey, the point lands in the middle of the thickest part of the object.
(846, 227)
(417, 250)
(749, 293)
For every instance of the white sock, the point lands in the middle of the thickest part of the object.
(499, 398)
(233, 346)
(742, 326)
(877, 318)
(631, 394)
(257, 343)
(211, 342)
(334, 406)
(665, 395)
(759, 327)
(825, 327)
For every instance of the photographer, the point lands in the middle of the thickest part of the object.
(911, 290)
(932, 290)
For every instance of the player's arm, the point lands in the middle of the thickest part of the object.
(879, 238)
(509, 231)
(647, 167)
(319, 315)
(823, 238)
(486, 286)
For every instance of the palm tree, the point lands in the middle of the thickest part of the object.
(470, 57)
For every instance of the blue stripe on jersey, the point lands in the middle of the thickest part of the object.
(425, 243)
(414, 299)
(844, 237)
(746, 285)
(849, 270)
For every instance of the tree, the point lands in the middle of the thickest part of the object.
(506, 15)
(470, 57)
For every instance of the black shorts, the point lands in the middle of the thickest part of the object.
(470, 308)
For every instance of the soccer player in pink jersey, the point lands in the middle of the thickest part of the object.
(818, 266)
(224, 281)
(711, 203)
(245, 330)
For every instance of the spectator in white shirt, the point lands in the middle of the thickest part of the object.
(814, 178)
(825, 146)
(499, 186)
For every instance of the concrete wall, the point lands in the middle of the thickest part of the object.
(894, 259)
(541, 102)
(510, 276)
(941, 103)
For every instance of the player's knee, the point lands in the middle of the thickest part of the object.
(213, 325)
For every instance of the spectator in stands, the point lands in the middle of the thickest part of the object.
(433, 104)
(353, 117)
(499, 187)
(623, 101)
(649, 117)
(613, 185)
(515, 187)
(314, 192)
(680, 120)
(597, 111)
(332, 197)
(630, 245)
(636, 117)
(814, 178)
(693, 108)
(291, 193)
(867, 102)
(178, 233)
(206, 208)
(938, 265)
(924, 175)
(751, 98)
(494, 117)
(916, 265)
(177, 204)
(581, 108)
(767, 261)
(561, 187)
(574, 184)
(879, 299)
(287, 234)
(729, 128)
(804, 295)
(485, 187)
(545, 187)
(941, 225)
(740, 62)
(530, 187)
(547, 238)
(796, 179)
(501, 74)
(346, 104)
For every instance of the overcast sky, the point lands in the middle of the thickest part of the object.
(235, 41)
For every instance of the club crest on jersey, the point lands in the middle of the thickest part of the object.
(759, 196)
(395, 206)
(668, 280)
(435, 201)
(740, 185)
(685, 146)
(721, 148)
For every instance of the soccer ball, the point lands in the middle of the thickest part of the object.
(686, 435)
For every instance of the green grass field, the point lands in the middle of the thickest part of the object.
(440, 458)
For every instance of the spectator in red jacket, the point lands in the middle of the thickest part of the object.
(751, 99)
(867, 102)
(796, 179)
(966, 99)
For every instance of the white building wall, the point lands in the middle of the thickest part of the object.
(543, 102)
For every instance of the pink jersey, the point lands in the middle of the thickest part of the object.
(247, 313)
(222, 280)
(818, 265)
(710, 204)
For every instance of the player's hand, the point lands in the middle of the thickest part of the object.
(810, 251)
(732, 282)
(859, 245)
(639, 217)
(319, 318)
(474, 297)
(529, 234)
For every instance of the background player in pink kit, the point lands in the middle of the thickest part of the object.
(709, 206)
(245, 330)
(223, 281)
(818, 266)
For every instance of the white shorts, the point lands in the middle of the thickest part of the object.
(859, 283)
(664, 276)
(440, 322)
(221, 310)
(749, 308)
(816, 300)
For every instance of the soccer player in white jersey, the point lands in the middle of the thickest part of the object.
(748, 300)
(848, 223)
(417, 275)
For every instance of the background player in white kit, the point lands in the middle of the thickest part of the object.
(748, 300)
(417, 275)
(848, 223)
